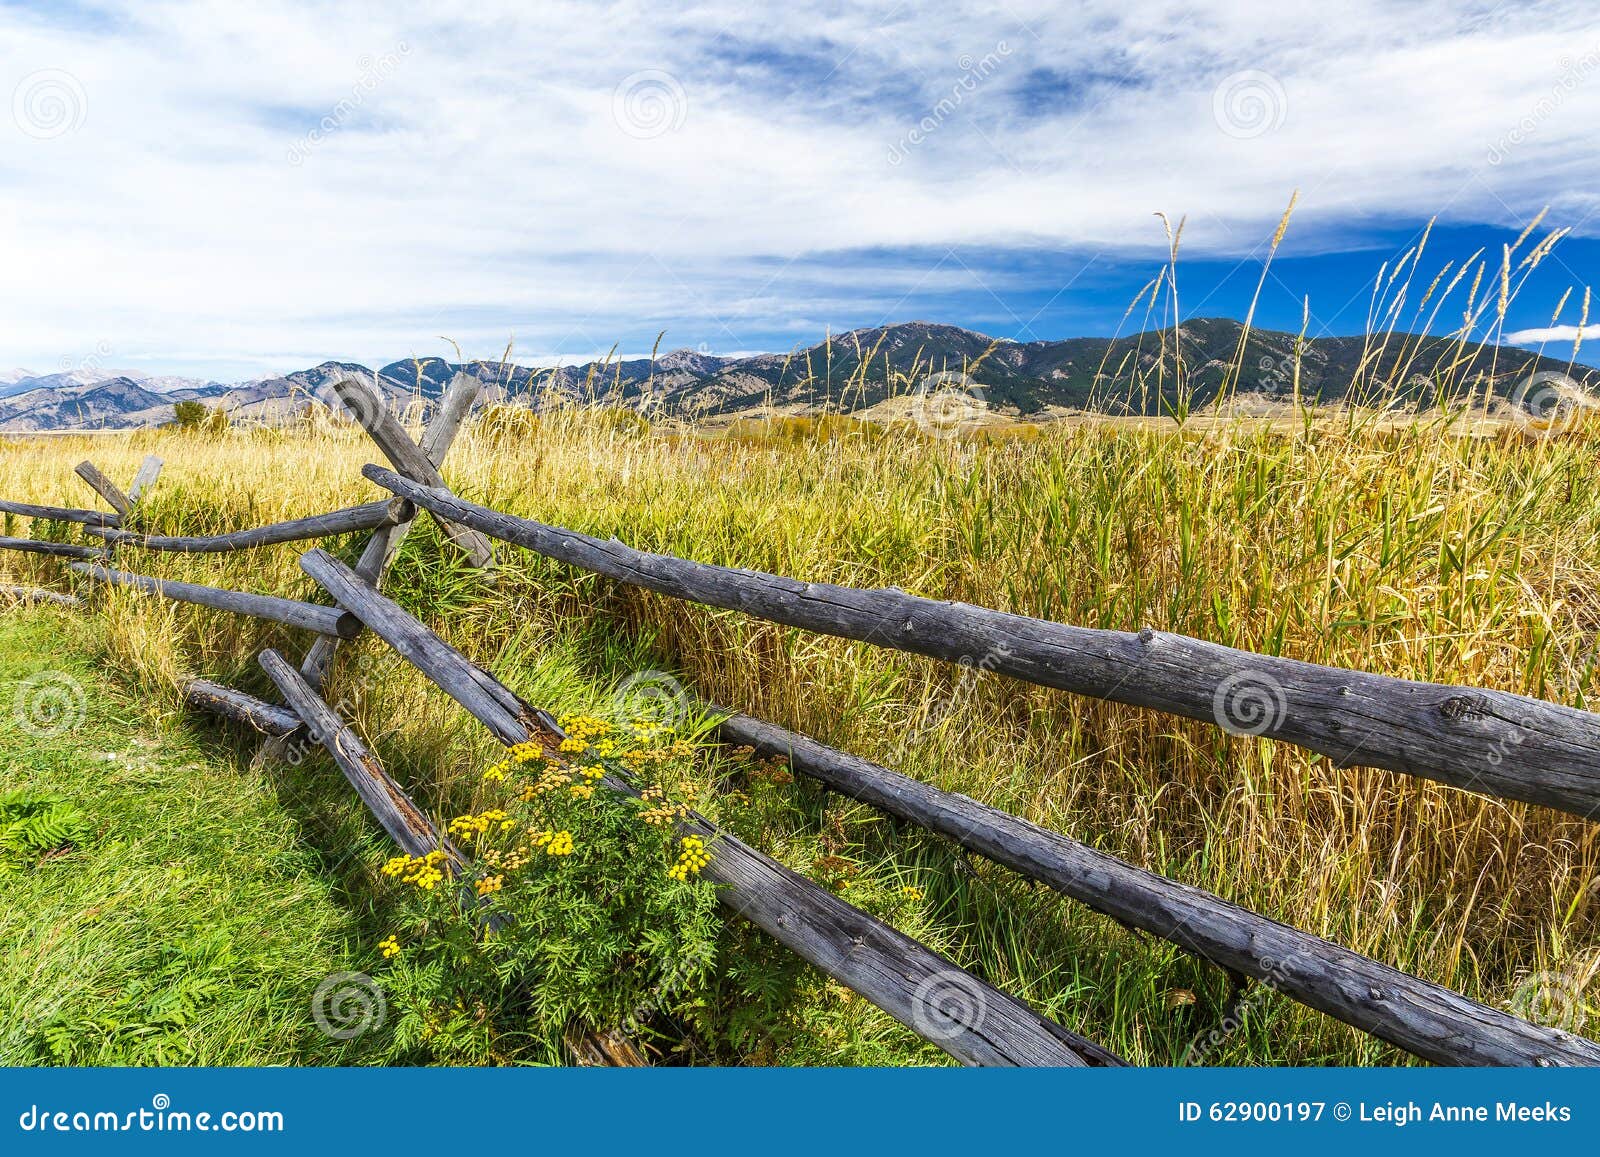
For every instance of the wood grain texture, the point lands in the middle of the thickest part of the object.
(311, 617)
(145, 478)
(60, 514)
(408, 458)
(1425, 1019)
(969, 1019)
(369, 516)
(399, 815)
(267, 718)
(103, 486)
(1493, 742)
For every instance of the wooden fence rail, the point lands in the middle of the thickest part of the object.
(310, 616)
(370, 516)
(1492, 742)
(56, 549)
(966, 1017)
(60, 514)
(1425, 1019)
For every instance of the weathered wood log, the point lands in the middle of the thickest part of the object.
(1425, 1019)
(419, 646)
(240, 707)
(405, 822)
(369, 516)
(969, 1019)
(57, 549)
(407, 457)
(103, 486)
(310, 616)
(39, 595)
(149, 471)
(1494, 742)
(60, 514)
(382, 548)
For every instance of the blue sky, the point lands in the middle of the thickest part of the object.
(232, 190)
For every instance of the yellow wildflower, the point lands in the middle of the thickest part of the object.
(560, 844)
(691, 859)
(490, 884)
(390, 946)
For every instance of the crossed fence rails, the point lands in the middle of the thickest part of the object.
(1486, 741)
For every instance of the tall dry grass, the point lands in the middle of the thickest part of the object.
(1402, 548)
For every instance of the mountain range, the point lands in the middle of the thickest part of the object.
(851, 372)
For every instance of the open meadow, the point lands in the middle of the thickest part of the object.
(1398, 548)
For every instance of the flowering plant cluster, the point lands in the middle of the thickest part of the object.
(584, 905)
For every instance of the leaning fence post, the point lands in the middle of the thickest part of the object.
(368, 409)
(103, 486)
(149, 471)
(384, 545)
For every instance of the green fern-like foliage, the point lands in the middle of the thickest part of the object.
(33, 824)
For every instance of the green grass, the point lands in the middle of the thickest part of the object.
(190, 921)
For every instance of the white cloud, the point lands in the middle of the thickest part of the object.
(1558, 334)
(481, 186)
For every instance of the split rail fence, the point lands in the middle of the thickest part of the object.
(1486, 741)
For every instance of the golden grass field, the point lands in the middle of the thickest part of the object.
(1399, 548)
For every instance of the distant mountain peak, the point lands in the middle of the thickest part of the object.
(853, 370)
